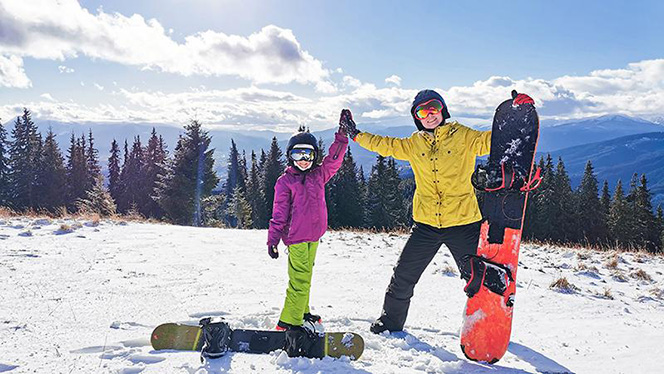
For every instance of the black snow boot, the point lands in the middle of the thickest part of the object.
(217, 335)
(378, 326)
(312, 318)
(299, 341)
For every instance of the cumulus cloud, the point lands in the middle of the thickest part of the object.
(12, 73)
(60, 30)
(393, 79)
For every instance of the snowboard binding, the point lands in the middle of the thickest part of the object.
(299, 342)
(494, 277)
(492, 177)
(217, 336)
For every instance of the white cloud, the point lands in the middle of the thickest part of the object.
(64, 69)
(636, 90)
(60, 30)
(99, 86)
(12, 73)
(47, 96)
(394, 79)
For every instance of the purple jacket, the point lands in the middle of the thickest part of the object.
(299, 213)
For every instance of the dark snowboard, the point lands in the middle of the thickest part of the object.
(508, 178)
(190, 338)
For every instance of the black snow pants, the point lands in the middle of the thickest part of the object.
(416, 255)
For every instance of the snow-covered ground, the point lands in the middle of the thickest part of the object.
(86, 301)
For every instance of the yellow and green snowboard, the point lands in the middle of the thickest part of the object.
(184, 337)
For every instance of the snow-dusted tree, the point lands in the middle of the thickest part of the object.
(4, 167)
(239, 209)
(97, 200)
(189, 177)
(659, 228)
(133, 180)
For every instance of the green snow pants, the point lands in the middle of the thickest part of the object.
(301, 258)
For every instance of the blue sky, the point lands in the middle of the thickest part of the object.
(275, 64)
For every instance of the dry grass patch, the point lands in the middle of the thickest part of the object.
(612, 263)
(607, 294)
(563, 285)
(619, 276)
(641, 275)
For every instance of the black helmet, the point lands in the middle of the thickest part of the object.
(303, 138)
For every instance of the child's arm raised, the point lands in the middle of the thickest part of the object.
(335, 156)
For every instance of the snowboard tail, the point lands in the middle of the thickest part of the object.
(487, 327)
(190, 338)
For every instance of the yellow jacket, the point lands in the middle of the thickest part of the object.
(442, 163)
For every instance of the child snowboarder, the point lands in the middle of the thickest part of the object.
(445, 210)
(299, 219)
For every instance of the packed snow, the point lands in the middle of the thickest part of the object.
(79, 296)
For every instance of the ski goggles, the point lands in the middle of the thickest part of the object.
(302, 154)
(433, 106)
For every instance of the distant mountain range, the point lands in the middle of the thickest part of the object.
(617, 145)
(619, 159)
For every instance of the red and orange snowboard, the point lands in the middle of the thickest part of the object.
(508, 176)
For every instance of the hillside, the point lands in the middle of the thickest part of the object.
(86, 300)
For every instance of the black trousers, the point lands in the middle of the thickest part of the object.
(416, 255)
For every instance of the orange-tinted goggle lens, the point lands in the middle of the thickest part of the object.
(432, 106)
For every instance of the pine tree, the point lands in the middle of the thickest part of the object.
(255, 195)
(273, 168)
(566, 221)
(377, 212)
(547, 207)
(76, 172)
(589, 209)
(189, 177)
(52, 176)
(24, 159)
(363, 197)
(645, 226)
(97, 200)
(4, 167)
(114, 170)
(153, 165)
(619, 217)
(344, 192)
(239, 209)
(92, 158)
(233, 177)
(394, 198)
(605, 199)
(659, 228)
(530, 228)
(133, 180)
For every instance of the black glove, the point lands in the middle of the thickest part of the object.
(273, 251)
(347, 125)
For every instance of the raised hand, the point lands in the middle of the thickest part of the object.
(347, 125)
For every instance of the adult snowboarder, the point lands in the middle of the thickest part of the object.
(445, 210)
